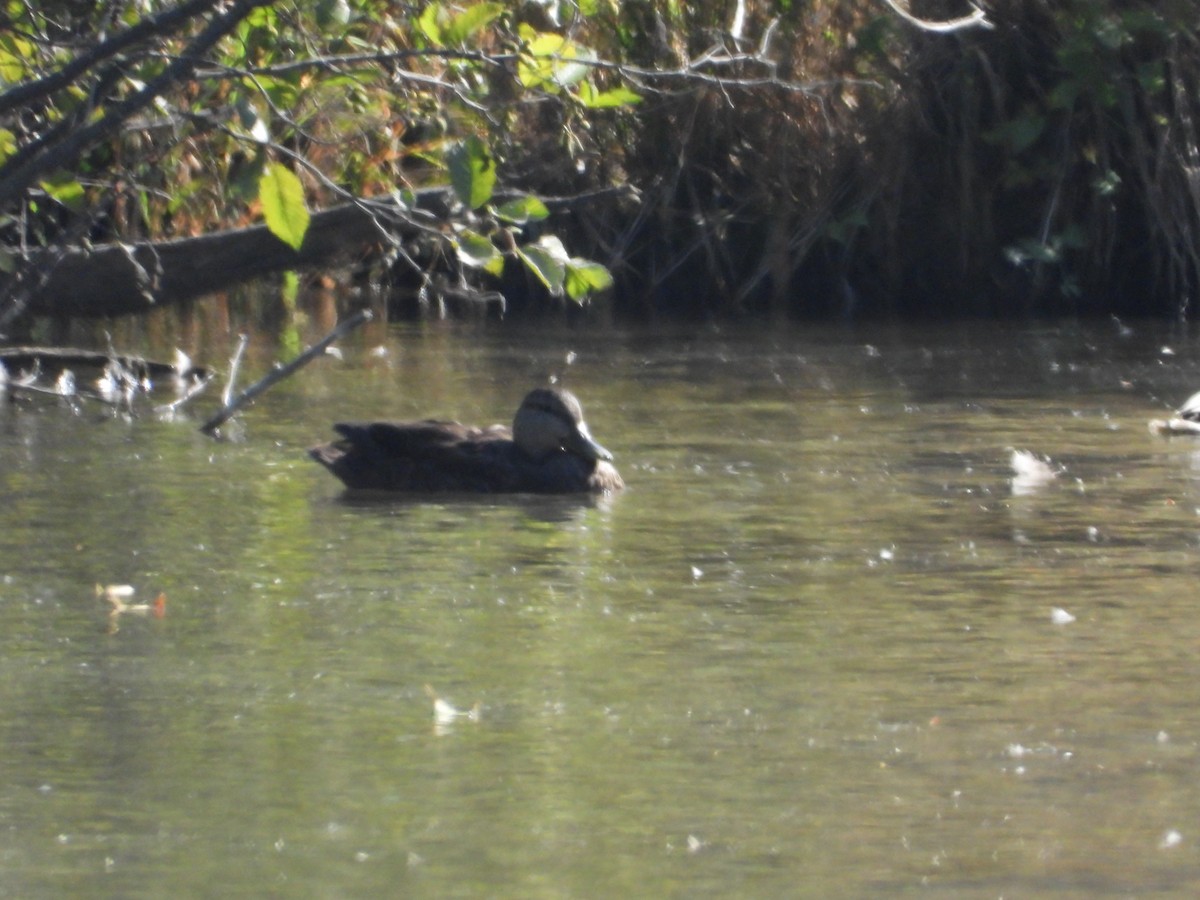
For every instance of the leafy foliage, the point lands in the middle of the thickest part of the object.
(278, 109)
(817, 158)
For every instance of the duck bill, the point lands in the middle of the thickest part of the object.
(581, 443)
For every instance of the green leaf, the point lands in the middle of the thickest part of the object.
(429, 23)
(469, 21)
(282, 198)
(617, 97)
(522, 210)
(17, 59)
(472, 172)
(548, 60)
(8, 144)
(585, 278)
(478, 252)
(65, 190)
(547, 259)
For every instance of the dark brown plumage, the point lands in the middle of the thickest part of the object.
(547, 451)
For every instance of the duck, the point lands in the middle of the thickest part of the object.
(1186, 420)
(548, 450)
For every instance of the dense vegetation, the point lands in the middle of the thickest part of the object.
(717, 158)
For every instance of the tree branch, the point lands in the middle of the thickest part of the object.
(151, 26)
(282, 372)
(14, 179)
(976, 19)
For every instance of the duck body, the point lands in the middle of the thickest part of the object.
(548, 451)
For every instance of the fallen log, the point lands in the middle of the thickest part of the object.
(125, 279)
(116, 379)
(55, 359)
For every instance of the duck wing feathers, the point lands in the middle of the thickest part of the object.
(441, 457)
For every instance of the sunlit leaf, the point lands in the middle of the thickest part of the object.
(428, 23)
(584, 278)
(617, 97)
(554, 246)
(470, 21)
(522, 210)
(66, 191)
(548, 60)
(472, 172)
(282, 197)
(478, 252)
(547, 259)
(263, 17)
(11, 68)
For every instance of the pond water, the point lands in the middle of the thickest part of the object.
(812, 650)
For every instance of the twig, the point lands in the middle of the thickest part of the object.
(234, 364)
(197, 388)
(282, 372)
(976, 18)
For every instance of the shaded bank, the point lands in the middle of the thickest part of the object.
(1043, 166)
(836, 160)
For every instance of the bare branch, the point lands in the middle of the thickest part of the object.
(976, 19)
(282, 372)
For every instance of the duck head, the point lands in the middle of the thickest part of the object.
(550, 420)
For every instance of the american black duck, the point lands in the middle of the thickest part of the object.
(547, 451)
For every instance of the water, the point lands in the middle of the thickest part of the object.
(809, 652)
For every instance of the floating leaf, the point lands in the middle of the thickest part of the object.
(114, 592)
(472, 172)
(282, 198)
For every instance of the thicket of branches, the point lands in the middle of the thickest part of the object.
(841, 157)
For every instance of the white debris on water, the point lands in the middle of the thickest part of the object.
(1060, 616)
(1031, 472)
